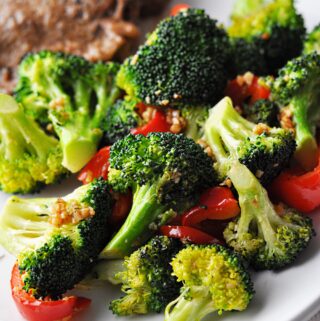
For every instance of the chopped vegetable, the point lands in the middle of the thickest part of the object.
(188, 234)
(33, 309)
(217, 203)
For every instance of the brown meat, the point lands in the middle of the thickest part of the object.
(83, 27)
(95, 29)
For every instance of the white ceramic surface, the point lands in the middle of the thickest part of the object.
(290, 295)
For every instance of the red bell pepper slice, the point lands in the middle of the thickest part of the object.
(157, 124)
(121, 207)
(177, 8)
(97, 167)
(33, 309)
(239, 93)
(217, 203)
(189, 234)
(301, 191)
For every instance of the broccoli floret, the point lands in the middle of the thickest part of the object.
(120, 119)
(230, 136)
(262, 111)
(185, 60)
(312, 43)
(71, 94)
(39, 83)
(297, 89)
(243, 8)
(147, 280)
(266, 239)
(29, 158)
(274, 33)
(166, 173)
(57, 240)
(195, 117)
(214, 280)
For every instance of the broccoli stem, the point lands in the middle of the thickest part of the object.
(307, 150)
(195, 309)
(145, 211)
(234, 129)
(254, 201)
(21, 133)
(26, 224)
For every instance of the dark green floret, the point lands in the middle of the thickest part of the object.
(267, 240)
(147, 279)
(214, 280)
(265, 35)
(73, 95)
(120, 119)
(53, 258)
(230, 137)
(262, 111)
(29, 158)
(185, 60)
(312, 43)
(297, 89)
(166, 173)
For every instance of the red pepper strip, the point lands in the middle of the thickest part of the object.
(239, 91)
(121, 207)
(157, 124)
(217, 203)
(177, 8)
(97, 167)
(190, 234)
(33, 309)
(258, 91)
(301, 191)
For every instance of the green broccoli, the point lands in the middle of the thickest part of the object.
(296, 89)
(230, 136)
(195, 117)
(312, 43)
(147, 280)
(71, 94)
(166, 173)
(262, 111)
(120, 119)
(185, 60)
(266, 239)
(56, 240)
(214, 280)
(265, 35)
(29, 158)
(243, 8)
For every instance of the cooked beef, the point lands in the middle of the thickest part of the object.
(83, 27)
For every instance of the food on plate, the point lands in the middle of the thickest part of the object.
(57, 240)
(264, 150)
(176, 150)
(267, 239)
(296, 90)
(214, 280)
(265, 35)
(33, 309)
(146, 278)
(97, 30)
(166, 173)
(153, 75)
(312, 42)
(29, 157)
(71, 96)
(262, 111)
(298, 189)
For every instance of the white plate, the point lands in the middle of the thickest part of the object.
(290, 295)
